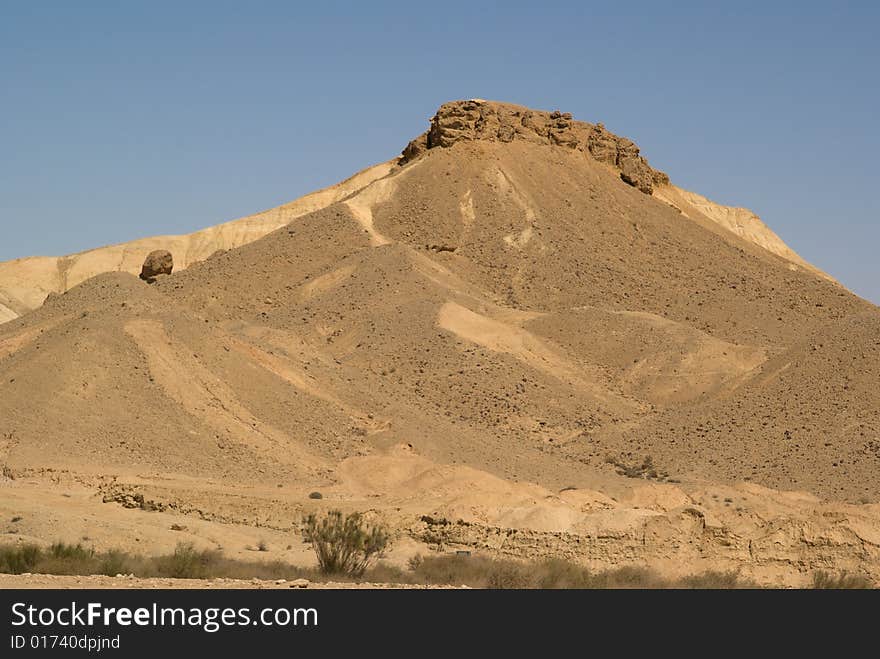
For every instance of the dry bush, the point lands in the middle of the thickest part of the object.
(20, 558)
(344, 544)
(63, 558)
(452, 569)
(826, 581)
(115, 562)
(645, 469)
(715, 580)
(552, 573)
(187, 562)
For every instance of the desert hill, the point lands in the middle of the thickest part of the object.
(520, 325)
(25, 282)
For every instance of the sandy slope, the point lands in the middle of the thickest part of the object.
(25, 283)
(739, 221)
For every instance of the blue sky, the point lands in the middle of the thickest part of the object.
(126, 119)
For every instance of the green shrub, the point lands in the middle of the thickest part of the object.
(344, 544)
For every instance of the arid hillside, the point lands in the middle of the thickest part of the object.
(25, 282)
(519, 325)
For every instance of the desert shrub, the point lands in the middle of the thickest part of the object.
(344, 544)
(715, 580)
(474, 571)
(19, 558)
(508, 575)
(383, 573)
(486, 572)
(449, 569)
(115, 562)
(63, 558)
(645, 469)
(187, 562)
(629, 576)
(826, 581)
(560, 573)
(74, 553)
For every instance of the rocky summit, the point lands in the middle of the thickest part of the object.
(477, 119)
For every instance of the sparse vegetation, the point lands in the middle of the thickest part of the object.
(645, 469)
(114, 562)
(187, 562)
(344, 544)
(826, 581)
(19, 559)
(63, 558)
(714, 580)
(553, 573)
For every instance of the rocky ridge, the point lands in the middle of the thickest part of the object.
(476, 119)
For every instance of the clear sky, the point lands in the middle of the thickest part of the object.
(125, 119)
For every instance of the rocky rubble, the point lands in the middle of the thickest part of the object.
(476, 119)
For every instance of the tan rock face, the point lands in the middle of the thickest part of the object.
(158, 262)
(501, 122)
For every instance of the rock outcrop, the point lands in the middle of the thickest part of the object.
(476, 119)
(158, 262)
